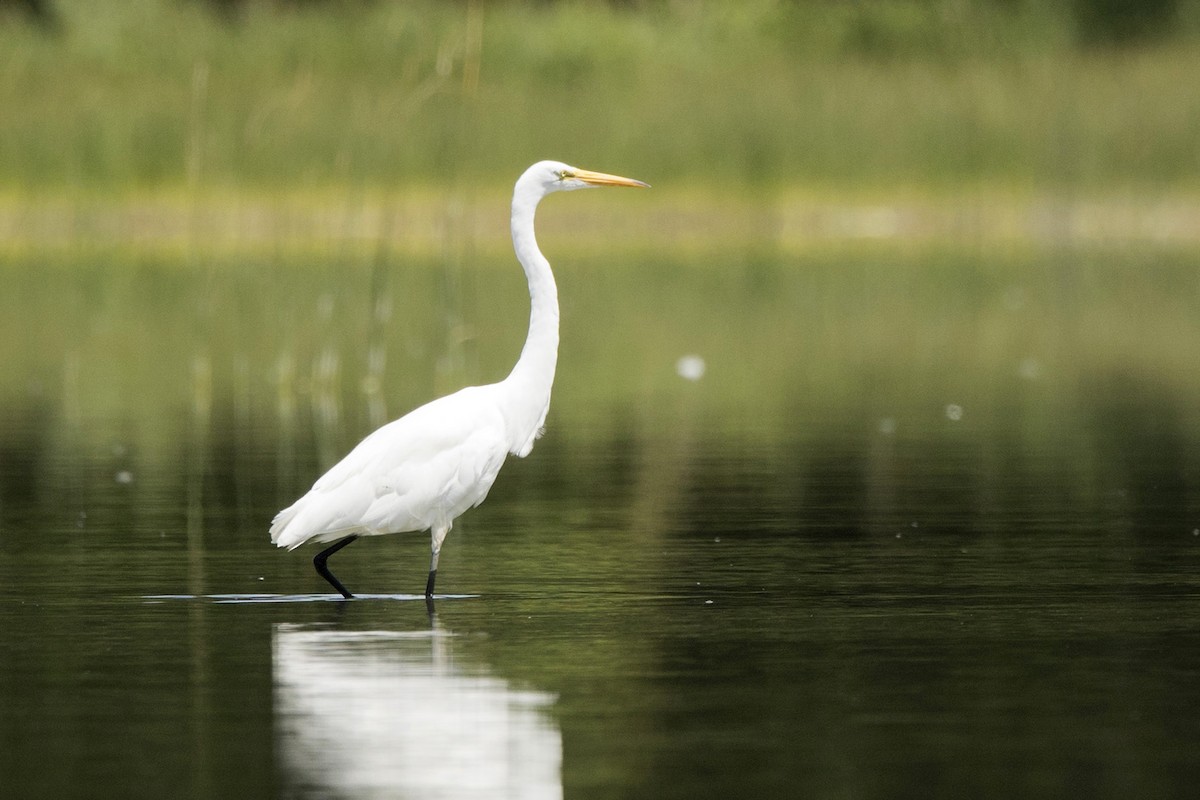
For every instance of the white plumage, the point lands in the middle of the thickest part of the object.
(452, 451)
(423, 470)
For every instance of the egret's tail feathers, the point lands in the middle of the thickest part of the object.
(281, 536)
(305, 521)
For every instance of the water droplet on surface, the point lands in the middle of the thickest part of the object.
(690, 367)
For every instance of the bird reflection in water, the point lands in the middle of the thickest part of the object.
(395, 714)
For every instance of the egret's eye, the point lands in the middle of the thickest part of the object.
(563, 174)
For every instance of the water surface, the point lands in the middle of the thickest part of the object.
(952, 551)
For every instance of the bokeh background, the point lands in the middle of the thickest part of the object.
(896, 363)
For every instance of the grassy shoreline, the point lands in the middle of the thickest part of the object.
(197, 216)
(425, 221)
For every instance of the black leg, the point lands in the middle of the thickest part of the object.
(439, 534)
(319, 562)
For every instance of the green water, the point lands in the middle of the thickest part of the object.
(928, 525)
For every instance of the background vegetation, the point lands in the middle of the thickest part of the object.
(298, 204)
(1095, 94)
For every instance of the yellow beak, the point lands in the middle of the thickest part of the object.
(601, 179)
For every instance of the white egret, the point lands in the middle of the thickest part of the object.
(423, 470)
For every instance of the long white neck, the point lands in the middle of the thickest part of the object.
(527, 388)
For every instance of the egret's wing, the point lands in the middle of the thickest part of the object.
(431, 493)
(420, 470)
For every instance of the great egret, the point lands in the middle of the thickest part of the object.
(423, 470)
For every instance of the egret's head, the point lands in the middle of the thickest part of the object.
(555, 176)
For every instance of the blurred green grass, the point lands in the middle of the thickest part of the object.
(861, 212)
(757, 95)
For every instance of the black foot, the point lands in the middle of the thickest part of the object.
(319, 562)
(429, 584)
